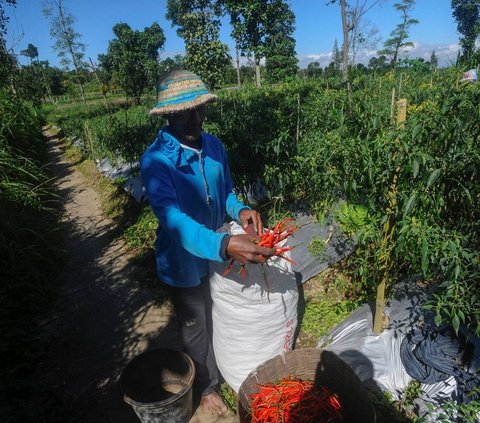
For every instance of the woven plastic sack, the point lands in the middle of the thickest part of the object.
(251, 323)
(470, 75)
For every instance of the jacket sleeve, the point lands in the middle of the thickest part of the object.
(193, 236)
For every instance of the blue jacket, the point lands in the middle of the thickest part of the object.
(191, 196)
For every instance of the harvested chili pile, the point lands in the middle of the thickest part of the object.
(272, 238)
(293, 400)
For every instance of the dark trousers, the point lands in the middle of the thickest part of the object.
(193, 308)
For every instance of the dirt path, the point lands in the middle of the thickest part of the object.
(105, 317)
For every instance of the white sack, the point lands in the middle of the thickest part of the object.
(249, 326)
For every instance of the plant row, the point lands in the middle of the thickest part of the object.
(313, 145)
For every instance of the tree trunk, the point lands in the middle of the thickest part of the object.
(345, 27)
(239, 82)
(72, 53)
(104, 94)
(257, 71)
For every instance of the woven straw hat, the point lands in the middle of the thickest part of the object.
(180, 90)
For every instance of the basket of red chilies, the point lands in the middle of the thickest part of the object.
(304, 386)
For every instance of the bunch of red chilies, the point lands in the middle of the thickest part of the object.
(292, 400)
(270, 239)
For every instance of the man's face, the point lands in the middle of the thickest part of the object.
(188, 125)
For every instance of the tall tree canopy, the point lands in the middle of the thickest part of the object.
(132, 57)
(3, 18)
(254, 21)
(7, 61)
(352, 14)
(198, 23)
(467, 15)
(399, 36)
(69, 48)
(31, 52)
(280, 57)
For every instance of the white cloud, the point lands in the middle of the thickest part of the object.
(446, 54)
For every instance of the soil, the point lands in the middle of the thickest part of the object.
(107, 315)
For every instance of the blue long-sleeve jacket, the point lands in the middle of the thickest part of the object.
(191, 196)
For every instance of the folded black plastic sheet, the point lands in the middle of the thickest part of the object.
(376, 359)
(338, 246)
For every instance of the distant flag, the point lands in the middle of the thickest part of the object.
(470, 75)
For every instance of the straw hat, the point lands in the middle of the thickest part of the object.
(180, 90)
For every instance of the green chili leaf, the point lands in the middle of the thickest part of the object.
(416, 131)
(456, 323)
(415, 168)
(409, 205)
(433, 177)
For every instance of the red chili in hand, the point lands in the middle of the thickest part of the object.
(270, 238)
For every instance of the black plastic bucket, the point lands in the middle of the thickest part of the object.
(158, 385)
(323, 368)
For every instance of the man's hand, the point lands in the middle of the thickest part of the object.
(242, 249)
(247, 217)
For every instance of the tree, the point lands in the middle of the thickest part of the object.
(281, 61)
(37, 71)
(378, 63)
(31, 52)
(7, 60)
(433, 61)
(363, 36)
(467, 15)
(253, 21)
(55, 78)
(336, 56)
(4, 19)
(398, 41)
(170, 64)
(198, 23)
(68, 45)
(133, 56)
(351, 17)
(314, 70)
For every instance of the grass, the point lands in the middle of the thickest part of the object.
(115, 202)
(141, 235)
(30, 252)
(324, 307)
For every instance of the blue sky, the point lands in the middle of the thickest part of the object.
(317, 27)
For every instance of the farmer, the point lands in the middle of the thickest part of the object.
(189, 186)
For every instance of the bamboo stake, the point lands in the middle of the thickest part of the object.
(387, 233)
(298, 117)
(102, 88)
(392, 105)
(349, 95)
(401, 112)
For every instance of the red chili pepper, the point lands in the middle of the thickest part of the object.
(270, 239)
(293, 400)
(227, 270)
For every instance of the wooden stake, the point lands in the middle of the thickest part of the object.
(401, 112)
(392, 106)
(298, 117)
(387, 233)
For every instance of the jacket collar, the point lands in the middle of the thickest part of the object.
(170, 147)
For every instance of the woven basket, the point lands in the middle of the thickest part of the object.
(322, 367)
